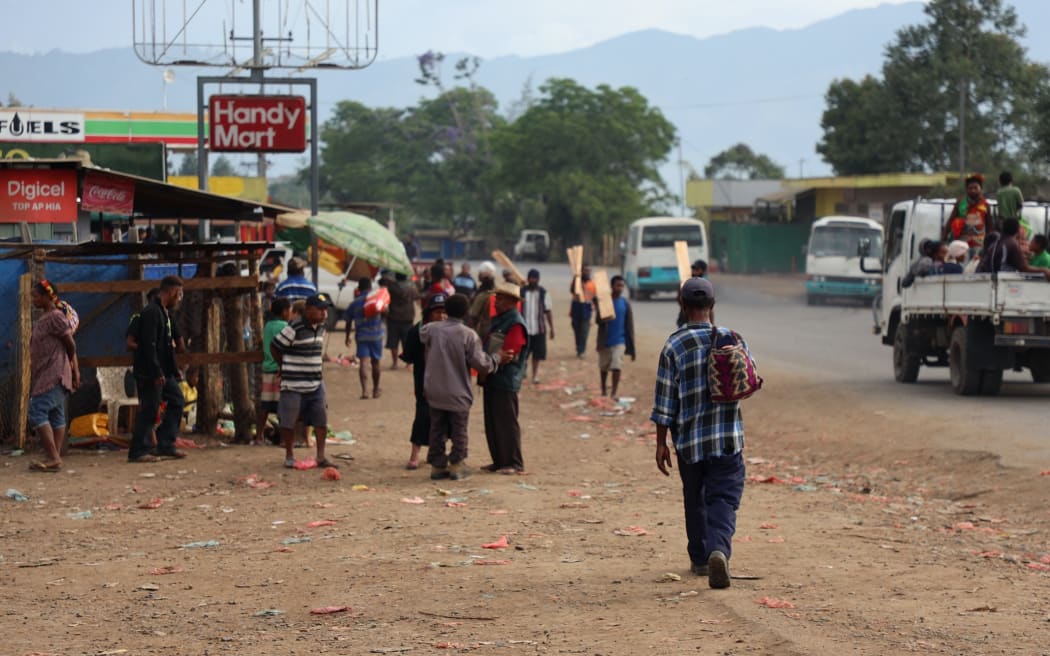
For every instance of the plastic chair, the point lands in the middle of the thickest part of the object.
(111, 385)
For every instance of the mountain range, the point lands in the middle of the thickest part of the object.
(759, 86)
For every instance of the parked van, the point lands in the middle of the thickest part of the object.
(532, 245)
(832, 270)
(649, 263)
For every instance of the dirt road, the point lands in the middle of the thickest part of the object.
(857, 535)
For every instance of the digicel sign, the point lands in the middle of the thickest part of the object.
(260, 124)
(38, 195)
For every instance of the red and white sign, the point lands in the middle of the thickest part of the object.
(101, 193)
(38, 195)
(260, 124)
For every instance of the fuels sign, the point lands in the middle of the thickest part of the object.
(261, 124)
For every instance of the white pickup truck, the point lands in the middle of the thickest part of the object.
(978, 325)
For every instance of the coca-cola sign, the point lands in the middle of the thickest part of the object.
(101, 193)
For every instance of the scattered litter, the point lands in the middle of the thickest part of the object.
(328, 610)
(492, 562)
(1040, 567)
(255, 482)
(501, 511)
(321, 522)
(983, 609)
(304, 464)
(167, 569)
(773, 602)
(457, 499)
(340, 437)
(581, 418)
(413, 500)
(805, 488)
(152, 504)
(768, 526)
(776, 540)
(498, 544)
(268, 612)
(204, 544)
(573, 404)
(631, 531)
(147, 475)
(764, 479)
(12, 493)
(688, 593)
(668, 577)
(150, 587)
(345, 456)
(183, 443)
(331, 474)
(83, 514)
(297, 539)
(359, 487)
(575, 493)
(584, 436)
(526, 486)
(455, 504)
(757, 461)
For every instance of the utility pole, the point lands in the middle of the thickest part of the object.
(962, 128)
(801, 162)
(681, 174)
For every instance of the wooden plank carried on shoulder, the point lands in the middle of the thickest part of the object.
(575, 254)
(606, 309)
(685, 269)
(506, 263)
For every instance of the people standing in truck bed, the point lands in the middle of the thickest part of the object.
(1005, 254)
(969, 216)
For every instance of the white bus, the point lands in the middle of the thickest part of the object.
(649, 259)
(832, 262)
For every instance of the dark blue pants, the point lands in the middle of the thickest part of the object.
(711, 490)
(581, 328)
(150, 397)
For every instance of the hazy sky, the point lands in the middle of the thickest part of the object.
(488, 28)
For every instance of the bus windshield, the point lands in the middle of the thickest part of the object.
(841, 241)
(658, 236)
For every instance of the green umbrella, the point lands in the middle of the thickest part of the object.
(363, 238)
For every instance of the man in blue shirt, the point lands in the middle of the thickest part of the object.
(615, 337)
(296, 287)
(708, 437)
(369, 336)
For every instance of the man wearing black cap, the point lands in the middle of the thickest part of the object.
(298, 350)
(415, 354)
(539, 320)
(699, 270)
(708, 437)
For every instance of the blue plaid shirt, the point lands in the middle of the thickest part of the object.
(700, 429)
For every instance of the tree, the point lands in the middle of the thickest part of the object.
(591, 156)
(188, 165)
(739, 162)
(964, 69)
(222, 166)
(12, 100)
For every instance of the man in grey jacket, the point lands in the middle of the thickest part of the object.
(453, 350)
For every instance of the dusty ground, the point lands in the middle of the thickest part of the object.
(862, 541)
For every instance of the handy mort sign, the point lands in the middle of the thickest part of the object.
(258, 124)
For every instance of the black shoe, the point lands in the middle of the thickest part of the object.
(699, 570)
(718, 570)
(438, 473)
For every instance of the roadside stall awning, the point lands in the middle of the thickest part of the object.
(112, 192)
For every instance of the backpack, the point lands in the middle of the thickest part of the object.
(732, 374)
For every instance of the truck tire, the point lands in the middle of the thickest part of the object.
(966, 379)
(991, 382)
(905, 365)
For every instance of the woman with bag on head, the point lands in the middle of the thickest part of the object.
(703, 374)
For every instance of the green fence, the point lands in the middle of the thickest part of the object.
(759, 247)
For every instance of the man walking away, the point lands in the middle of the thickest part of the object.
(582, 309)
(401, 313)
(369, 338)
(452, 351)
(708, 437)
(507, 335)
(55, 375)
(615, 337)
(157, 377)
(539, 320)
(298, 349)
(296, 287)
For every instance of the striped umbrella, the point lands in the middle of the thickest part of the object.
(362, 238)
